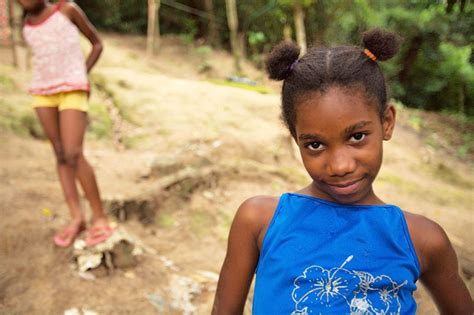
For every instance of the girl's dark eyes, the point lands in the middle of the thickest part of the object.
(318, 146)
(357, 137)
(314, 146)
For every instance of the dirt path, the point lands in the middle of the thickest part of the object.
(173, 121)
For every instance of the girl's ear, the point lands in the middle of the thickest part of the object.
(389, 122)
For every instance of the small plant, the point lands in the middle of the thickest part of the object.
(6, 83)
(165, 220)
(468, 145)
(100, 124)
(256, 40)
(204, 53)
(416, 121)
(32, 125)
(187, 38)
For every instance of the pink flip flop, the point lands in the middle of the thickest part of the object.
(98, 234)
(71, 232)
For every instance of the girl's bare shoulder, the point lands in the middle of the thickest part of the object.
(71, 10)
(258, 209)
(256, 213)
(428, 237)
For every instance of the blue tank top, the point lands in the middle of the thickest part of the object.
(320, 257)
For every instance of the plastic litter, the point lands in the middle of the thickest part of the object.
(238, 79)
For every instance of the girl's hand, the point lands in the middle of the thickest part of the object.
(77, 16)
(245, 237)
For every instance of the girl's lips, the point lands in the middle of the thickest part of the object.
(345, 189)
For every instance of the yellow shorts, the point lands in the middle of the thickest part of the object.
(64, 100)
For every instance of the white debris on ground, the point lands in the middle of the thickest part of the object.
(168, 263)
(157, 301)
(129, 275)
(119, 234)
(88, 261)
(118, 251)
(209, 275)
(86, 275)
(78, 311)
(182, 291)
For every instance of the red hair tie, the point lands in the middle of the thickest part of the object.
(370, 54)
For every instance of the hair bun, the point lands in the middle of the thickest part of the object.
(383, 44)
(281, 59)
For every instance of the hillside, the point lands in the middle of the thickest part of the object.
(152, 118)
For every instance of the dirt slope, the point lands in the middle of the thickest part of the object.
(166, 116)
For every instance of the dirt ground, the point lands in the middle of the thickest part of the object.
(151, 118)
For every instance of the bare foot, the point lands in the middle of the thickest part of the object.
(68, 234)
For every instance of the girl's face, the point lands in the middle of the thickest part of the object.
(339, 134)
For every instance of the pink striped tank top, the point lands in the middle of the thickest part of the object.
(58, 62)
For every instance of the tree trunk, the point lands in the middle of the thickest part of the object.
(242, 40)
(287, 36)
(299, 26)
(410, 58)
(321, 25)
(462, 98)
(153, 27)
(212, 35)
(233, 23)
(13, 31)
(449, 6)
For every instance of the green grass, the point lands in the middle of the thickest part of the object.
(201, 222)
(100, 123)
(225, 221)
(448, 175)
(106, 90)
(449, 196)
(6, 83)
(256, 88)
(165, 220)
(136, 141)
(16, 115)
(399, 182)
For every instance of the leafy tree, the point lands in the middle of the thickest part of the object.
(432, 71)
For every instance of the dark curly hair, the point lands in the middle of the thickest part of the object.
(320, 68)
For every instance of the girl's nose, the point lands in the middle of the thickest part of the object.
(340, 163)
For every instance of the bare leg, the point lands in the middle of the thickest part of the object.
(49, 119)
(72, 128)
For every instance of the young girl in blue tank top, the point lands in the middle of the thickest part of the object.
(334, 247)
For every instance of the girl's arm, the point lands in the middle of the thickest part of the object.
(242, 255)
(77, 16)
(439, 266)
